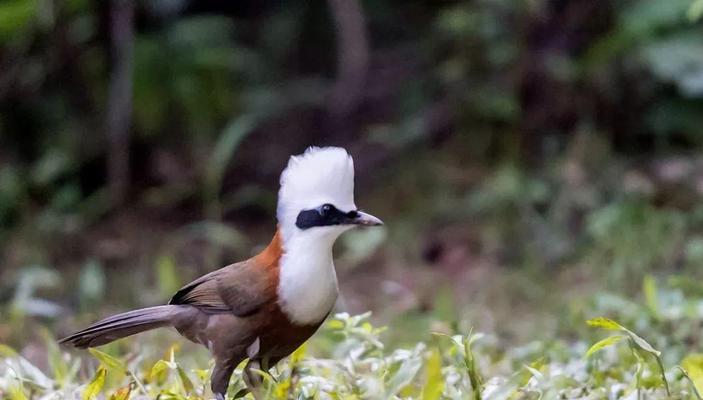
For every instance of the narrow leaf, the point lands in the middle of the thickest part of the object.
(693, 384)
(95, 385)
(107, 360)
(434, 381)
(663, 375)
(609, 341)
(535, 372)
(605, 323)
(158, 370)
(472, 369)
(693, 366)
(642, 344)
(185, 381)
(298, 354)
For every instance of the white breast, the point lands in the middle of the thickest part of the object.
(307, 287)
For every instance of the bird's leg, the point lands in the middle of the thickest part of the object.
(252, 378)
(220, 377)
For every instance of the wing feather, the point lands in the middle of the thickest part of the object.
(240, 288)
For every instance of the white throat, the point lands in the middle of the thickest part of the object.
(307, 287)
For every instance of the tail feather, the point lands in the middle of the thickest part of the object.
(122, 325)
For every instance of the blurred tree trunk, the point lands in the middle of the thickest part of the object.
(119, 102)
(553, 104)
(352, 66)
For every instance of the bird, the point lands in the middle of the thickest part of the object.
(264, 308)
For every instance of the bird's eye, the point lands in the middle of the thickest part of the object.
(325, 209)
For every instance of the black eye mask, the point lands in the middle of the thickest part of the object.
(325, 215)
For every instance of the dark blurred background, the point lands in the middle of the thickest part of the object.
(522, 152)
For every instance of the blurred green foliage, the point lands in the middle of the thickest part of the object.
(448, 366)
(535, 162)
(202, 73)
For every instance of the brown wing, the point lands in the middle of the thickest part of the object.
(240, 289)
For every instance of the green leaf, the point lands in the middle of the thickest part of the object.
(335, 324)
(403, 377)
(108, 361)
(298, 355)
(605, 323)
(16, 393)
(636, 342)
(57, 363)
(642, 344)
(158, 370)
(663, 375)
(185, 381)
(167, 395)
(609, 341)
(504, 390)
(695, 12)
(7, 351)
(639, 368)
(16, 17)
(400, 376)
(535, 373)
(611, 325)
(691, 381)
(649, 287)
(95, 385)
(434, 381)
(472, 368)
(693, 364)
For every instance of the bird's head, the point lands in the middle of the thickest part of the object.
(316, 198)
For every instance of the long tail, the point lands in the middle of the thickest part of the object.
(123, 325)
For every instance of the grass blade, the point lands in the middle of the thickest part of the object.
(609, 341)
(95, 386)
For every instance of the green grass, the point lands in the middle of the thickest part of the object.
(642, 349)
(511, 323)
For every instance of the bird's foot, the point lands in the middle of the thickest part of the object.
(219, 396)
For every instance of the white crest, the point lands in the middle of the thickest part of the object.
(308, 282)
(320, 175)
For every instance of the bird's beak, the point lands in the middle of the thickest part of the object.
(366, 219)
